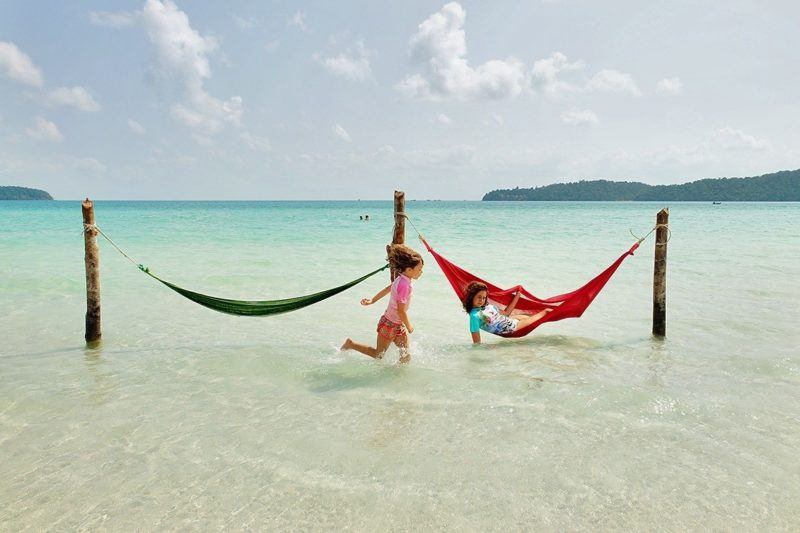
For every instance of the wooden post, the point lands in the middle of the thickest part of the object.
(660, 275)
(399, 234)
(92, 261)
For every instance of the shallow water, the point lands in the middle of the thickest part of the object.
(186, 419)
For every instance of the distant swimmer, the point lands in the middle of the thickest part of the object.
(366, 217)
(360, 217)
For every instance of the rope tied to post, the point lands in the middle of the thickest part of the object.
(94, 228)
(91, 229)
(242, 307)
(404, 215)
(657, 226)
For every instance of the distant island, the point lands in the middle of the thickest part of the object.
(23, 193)
(781, 186)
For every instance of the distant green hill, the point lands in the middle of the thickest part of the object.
(781, 186)
(22, 193)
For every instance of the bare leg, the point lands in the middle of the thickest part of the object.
(527, 320)
(376, 353)
(402, 345)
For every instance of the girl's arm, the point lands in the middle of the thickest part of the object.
(510, 307)
(381, 294)
(476, 337)
(401, 312)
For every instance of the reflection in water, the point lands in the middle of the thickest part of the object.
(103, 383)
(659, 362)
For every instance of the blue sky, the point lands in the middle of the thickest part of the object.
(341, 100)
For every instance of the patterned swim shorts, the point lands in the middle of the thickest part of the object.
(391, 330)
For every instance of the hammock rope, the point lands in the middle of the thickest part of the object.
(568, 305)
(641, 239)
(242, 307)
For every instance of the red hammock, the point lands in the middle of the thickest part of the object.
(569, 305)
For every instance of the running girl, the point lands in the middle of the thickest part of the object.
(394, 326)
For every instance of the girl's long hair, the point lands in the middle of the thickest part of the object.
(473, 288)
(402, 257)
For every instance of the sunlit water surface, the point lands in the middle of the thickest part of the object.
(188, 419)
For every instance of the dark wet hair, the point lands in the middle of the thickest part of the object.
(402, 257)
(472, 289)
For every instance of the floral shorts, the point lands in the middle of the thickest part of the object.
(392, 331)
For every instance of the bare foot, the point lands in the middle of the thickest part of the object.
(405, 358)
(348, 344)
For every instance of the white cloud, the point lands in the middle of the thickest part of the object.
(77, 97)
(254, 142)
(385, 151)
(459, 155)
(44, 130)
(544, 78)
(578, 117)
(733, 139)
(714, 154)
(613, 81)
(443, 119)
(547, 78)
(341, 133)
(670, 86)
(244, 22)
(55, 165)
(183, 53)
(136, 127)
(18, 66)
(86, 164)
(113, 20)
(299, 20)
(440, 44)
(352, 65)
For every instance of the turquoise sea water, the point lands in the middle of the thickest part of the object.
(188, 419)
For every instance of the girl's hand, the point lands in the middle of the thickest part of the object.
(410, 329)
(366, 301)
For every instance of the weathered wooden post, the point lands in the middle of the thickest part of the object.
(399, 234)
(660, 275)
(92, 261)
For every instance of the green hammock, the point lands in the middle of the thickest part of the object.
(258, 308)
(242, 307)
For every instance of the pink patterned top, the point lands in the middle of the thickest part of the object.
(401, 293)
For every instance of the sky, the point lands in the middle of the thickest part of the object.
(257, 100)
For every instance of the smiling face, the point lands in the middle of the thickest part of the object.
(479, 300)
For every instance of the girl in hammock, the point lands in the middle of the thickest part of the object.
(487, 317)
(394, 325)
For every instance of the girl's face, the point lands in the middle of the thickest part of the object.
(479, 300)
(413, 273)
